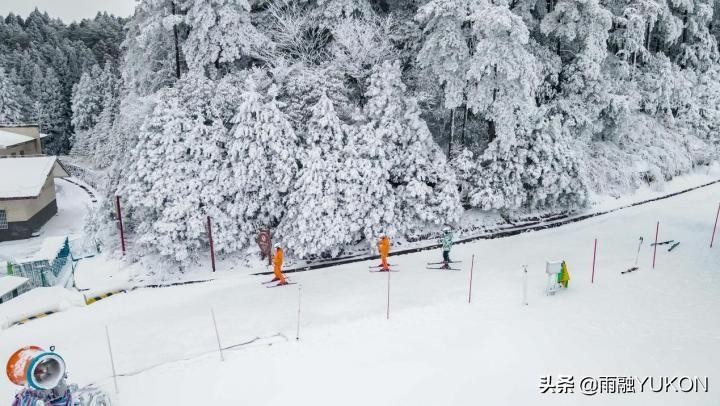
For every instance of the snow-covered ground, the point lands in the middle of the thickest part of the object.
(436, 349)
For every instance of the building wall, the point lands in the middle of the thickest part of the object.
(28, 148)
(30, 131)
(24, 229)
(22, 210)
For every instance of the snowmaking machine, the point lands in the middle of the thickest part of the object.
(43, 377)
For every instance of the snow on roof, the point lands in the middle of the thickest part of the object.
(49, 250)
(24, 177)
(10, 283)
(8, 139)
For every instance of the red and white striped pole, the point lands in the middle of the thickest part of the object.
(715, 226)
(657, 229)
(592, 278)
(212, 245)
(472, 265)
(120, 223)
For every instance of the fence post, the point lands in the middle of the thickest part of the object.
(472, 265)
(212, 246)
(388, 295)
(112, 360)
(217, 335)
(657, 229)
(715, 226)
(592, 278)
(120, 223)
(297, 334)
(525, 276)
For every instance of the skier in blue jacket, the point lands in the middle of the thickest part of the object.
(447, 242)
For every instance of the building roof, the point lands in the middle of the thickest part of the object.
(24, 177)
(49, 250)
(9, 139)
(10, 283)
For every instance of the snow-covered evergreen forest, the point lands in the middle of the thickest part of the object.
(42, 59)
(329, 121)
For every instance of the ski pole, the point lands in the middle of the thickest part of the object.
(638, 251)
(715, 226)
(592, 278)
(657, 230)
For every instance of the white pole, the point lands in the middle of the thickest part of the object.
(217, 334)
(297, 334)
(112, 360)
(525, 276)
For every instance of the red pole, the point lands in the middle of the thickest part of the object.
(657, 228)
(122, 230)
(212, 246)
(388, 300)
(472, 265)
(592, 278)
(715, 226)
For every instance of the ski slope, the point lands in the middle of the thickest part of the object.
(436, 349)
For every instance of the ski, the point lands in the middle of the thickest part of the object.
(380, 270)
(673, 246)
(633, 269)
(444, 269)
(662, 243)
(380, 266)
(266, 282)
(275, 286)
(440, 263)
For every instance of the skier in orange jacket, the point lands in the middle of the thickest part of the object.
(384, 250)
(277, 265)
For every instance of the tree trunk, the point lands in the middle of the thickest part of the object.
(177, 46)
(464, 125)
(452, 133)
(491, 131)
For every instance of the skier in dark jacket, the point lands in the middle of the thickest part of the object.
(447, 242)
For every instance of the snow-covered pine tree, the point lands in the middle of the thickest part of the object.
(53, 113)
(10, 108)
(425, 186)
(262, 167)
(165, 182)
(220, 32)
(445, 53)
(554, 174)
(315, 222)
(87, 100)
(503, 74)
(580, 29)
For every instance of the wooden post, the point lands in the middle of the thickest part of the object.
(472, 264)
(120, 222)
(592, 278)
(715, 226)
(212, 246)
(112, 360)
(657, 229)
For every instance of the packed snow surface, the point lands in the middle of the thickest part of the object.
(9, 283)
(435, 349)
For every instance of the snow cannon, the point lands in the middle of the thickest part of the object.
(36, 368)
